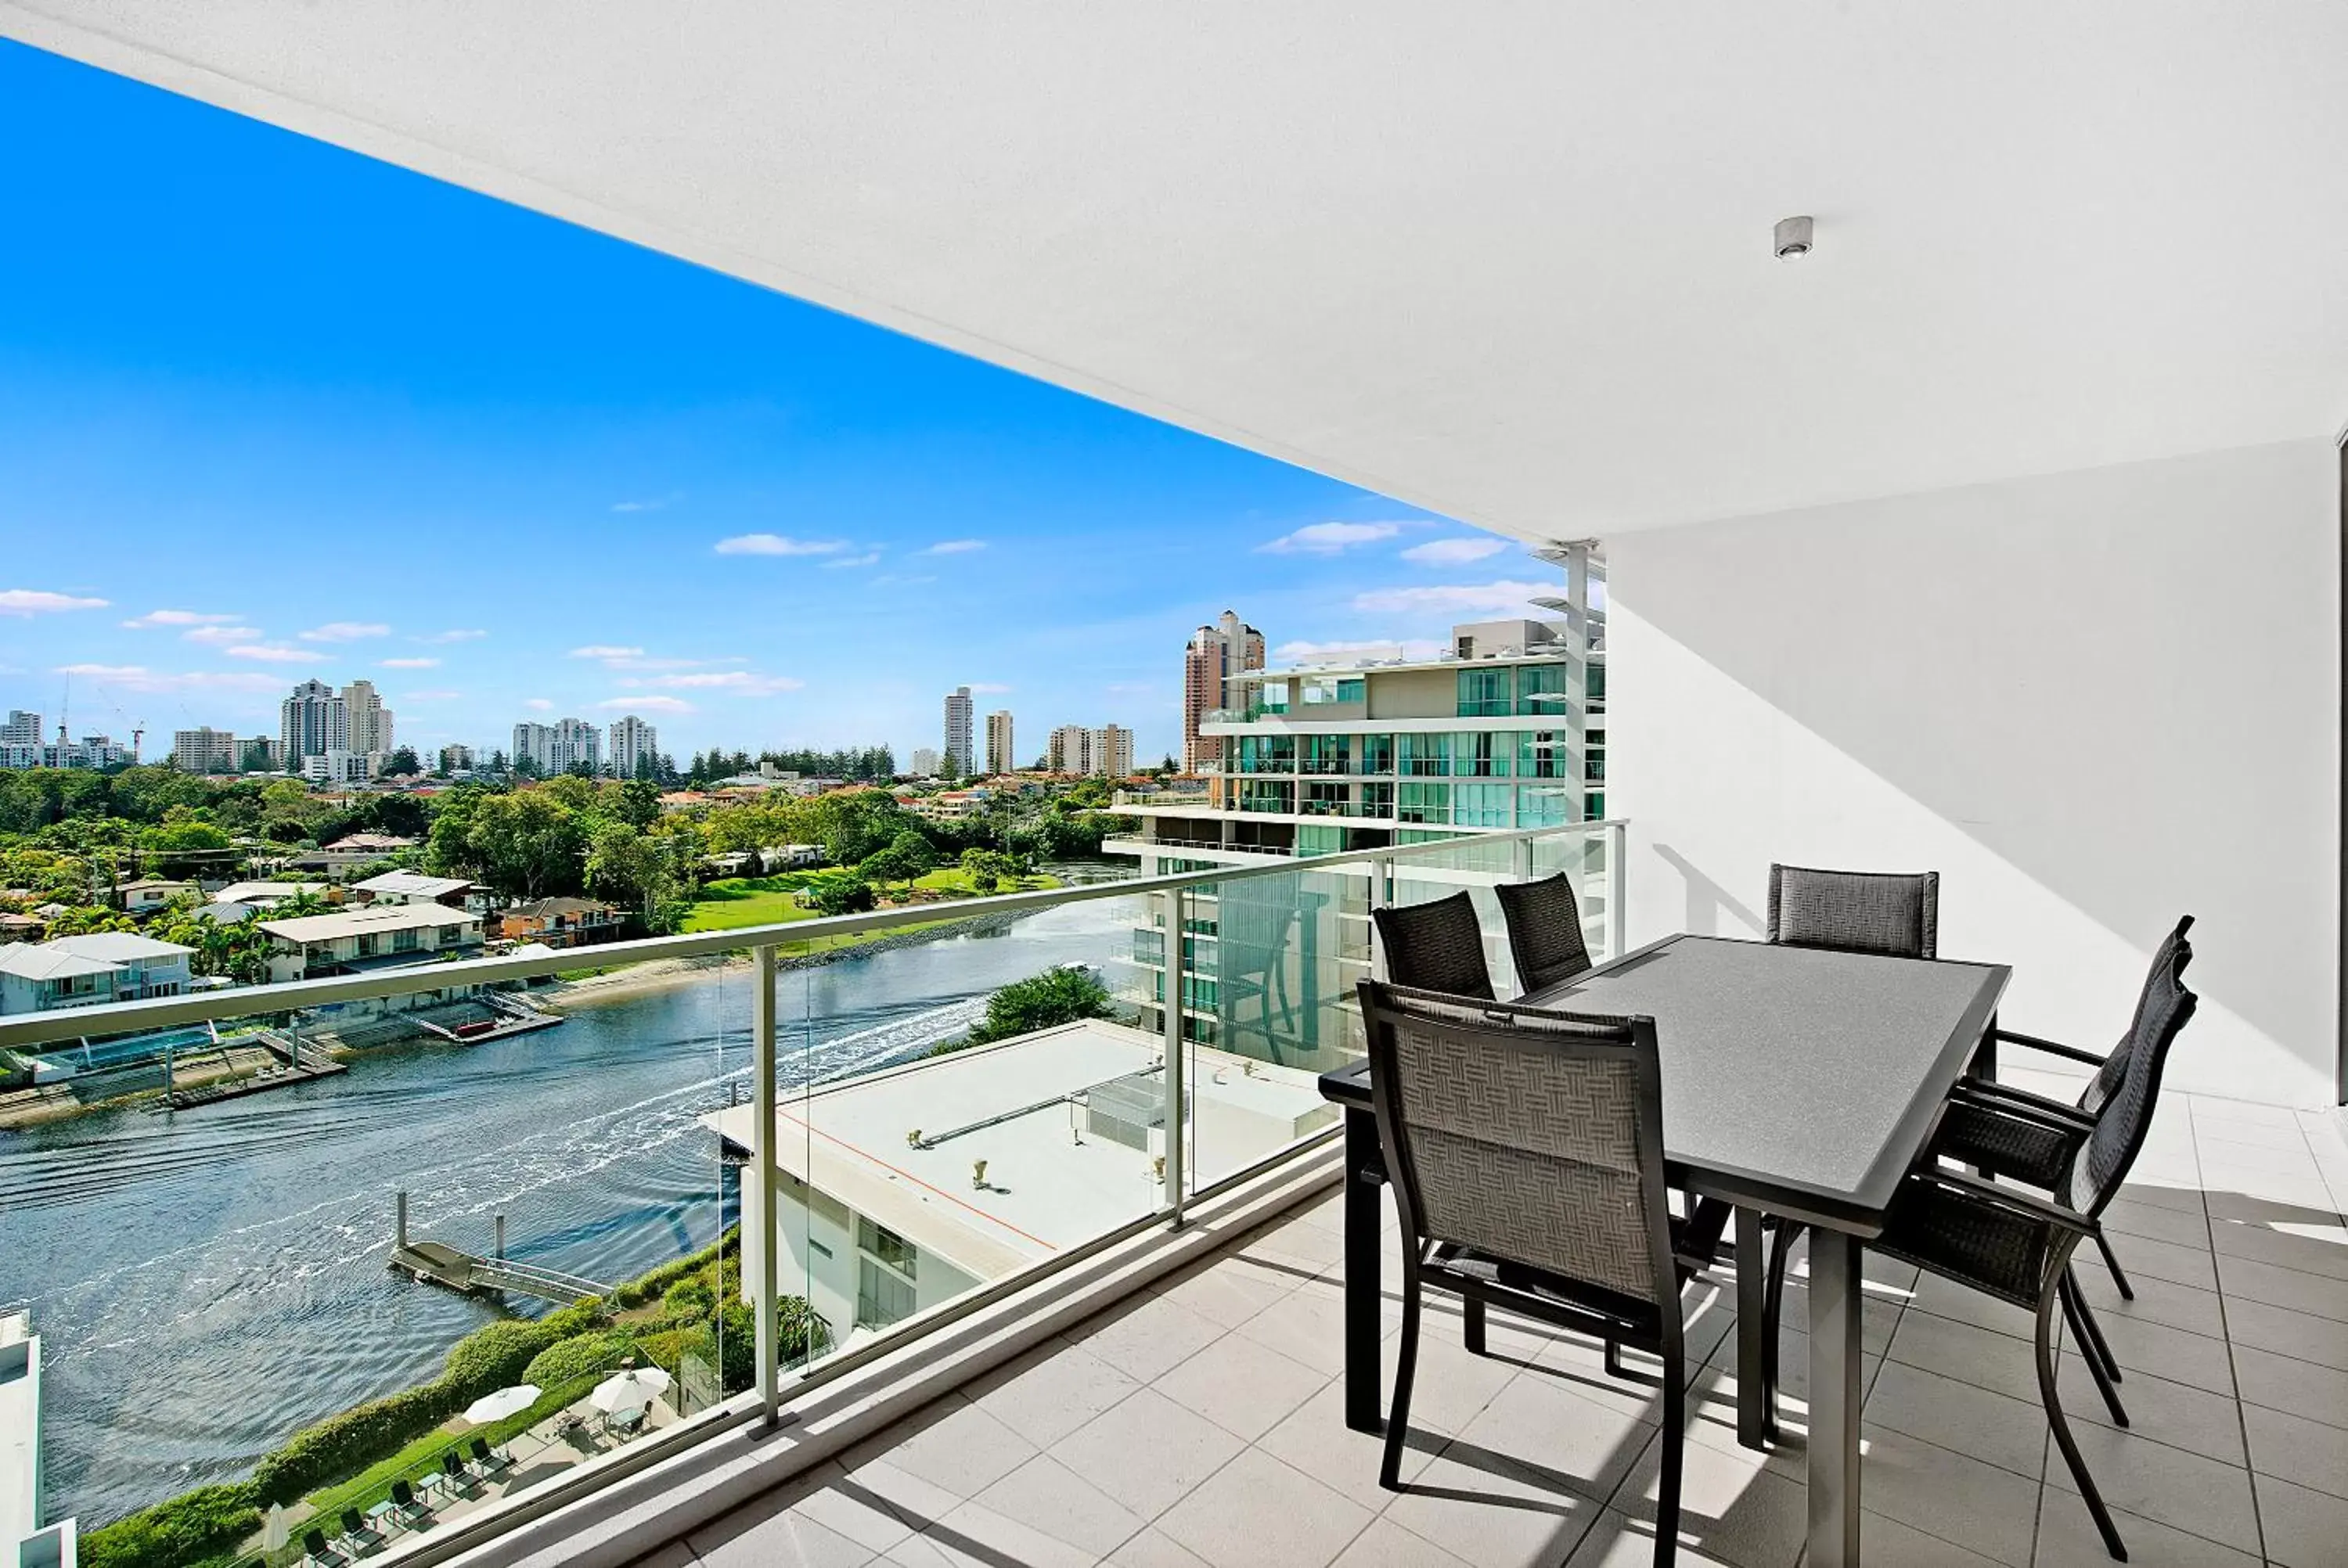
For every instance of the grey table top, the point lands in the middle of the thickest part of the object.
(1803, 1080)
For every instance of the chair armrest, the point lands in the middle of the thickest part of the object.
(2023, 1203)
(2022, 1105)
(2032, 1042)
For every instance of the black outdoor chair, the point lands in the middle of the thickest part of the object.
(405, 1506)
(1527, 1155)
(1438, 946)
(359, 1537)
(1544, 930)
(452, 1465)
(1893, 915)
(2036, 1152)
(2017, 1247)
(489, 1461)
(316, 1552)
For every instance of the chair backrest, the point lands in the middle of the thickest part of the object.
(2171, 958)
(313, 1541)
(354, 1521)
(1544, 930)
(2103, 1161)
(1894, 914)
(481, 1447)
(450, 1464)
(402, 1493)
(1530, 1136)
(1438, 946)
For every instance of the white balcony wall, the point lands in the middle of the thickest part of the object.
(2092, 701)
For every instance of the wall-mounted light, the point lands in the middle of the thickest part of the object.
(1792, 238)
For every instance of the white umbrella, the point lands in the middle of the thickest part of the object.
(505, 1402)
(275, 1531)
(629, 1391)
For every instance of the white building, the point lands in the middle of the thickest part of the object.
(559, 747)
(337, 766)
(20, 740)
(261, 894)
(366, 722)
(88, 971)
(411, 888)
(955, 1169)
(382, 936)
(149, 894)
(956, 754)
(1112, 751)
(1002, 753)
(311, 722)
(1105, 752)
(923, 764)
(456, 759)
(634, 747)
(205, 750)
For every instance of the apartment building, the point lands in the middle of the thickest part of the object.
(366, 722)
(1215, 654)
(923, 764)
(205, 750)
(1112, 751)
(1002, 755)
(956, 754)
(20, 740)
(338, 765)
(559, 747)
(311, 722)
(632, 746)
(456, 759)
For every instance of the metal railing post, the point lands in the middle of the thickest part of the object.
(762, 1158)
(1381, 876)
(1177, 901)
(1617, 922)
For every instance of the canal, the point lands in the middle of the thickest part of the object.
(207, 1281)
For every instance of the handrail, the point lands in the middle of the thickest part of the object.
(162, 1012)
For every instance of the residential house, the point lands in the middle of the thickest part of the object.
(352, 941)
(149, 894)
(262, 895)
(90, 970)
(411, 888)
(561, 922)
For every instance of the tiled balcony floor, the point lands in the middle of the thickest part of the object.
(1201, 1424)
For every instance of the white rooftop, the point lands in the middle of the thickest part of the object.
(375, 917)
(99, 953)
(412, 884)
(265, 892)
(1046, 1188)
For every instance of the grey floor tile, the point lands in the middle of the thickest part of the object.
(1309, 1326)
(2153, 1222)
(2187, 1492)
(1048, 1494)
(957, 1448)
(1153, 1548)
(2183, 1195)
(2007, 1432)
(1230, 1290)
(2284, 1155)
(2309, 1249)
(2164, 1352)
(2319, 1294)
(1244, 1388)
(2298, 1388)
(788, 1540)
(2156, 1301)
(1588, 1445)
(1307, 1249)
(2142, 1257)
(1945, 1495)
(1732, 1507)
(975, 1536)
(1962, 1304)
(2306, 1452)
(1147, 1337)
(2067, 1538)
(1385, 1544)
(2321, 1340)
(1619, 1541)
(1315, 1439)
(1887, 1541)
(2234, 1192)
(1051, 1391)
(2178, 1414)
(1256, 1510)
(675, 1554)
(2227, 1204)
(1982, 1356)
(1492, 1512)
(1147, 1452)
(2305, 1529)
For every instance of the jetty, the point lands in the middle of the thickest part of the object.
(491, 1015)
(453, 1269)
(294, 1061)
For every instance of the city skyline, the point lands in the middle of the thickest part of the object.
(270, 411)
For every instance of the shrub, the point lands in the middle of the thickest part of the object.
(688, 1300)
(493, 1356)
(581, 1356)
(191, 1526)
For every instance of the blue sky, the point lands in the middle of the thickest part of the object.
(271, 411)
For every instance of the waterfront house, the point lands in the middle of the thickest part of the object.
(412, 887)
(264, 894)
(350, 941)
(561, 922)
(149, 894)
(86, 971)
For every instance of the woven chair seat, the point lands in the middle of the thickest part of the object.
(2025, 1151)
(1991, 1249)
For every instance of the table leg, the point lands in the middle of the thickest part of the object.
(1835, 1305)
(1753, 1393)
(1364, 1227)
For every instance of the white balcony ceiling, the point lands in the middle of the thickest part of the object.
(1511, 262)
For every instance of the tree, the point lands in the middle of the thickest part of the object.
(842, 896)
(622, 864)
(637, 802)
(186, 845)
(255, 759)
(1040, 1002)
(402, 763)
(987, 868)
(525, 846)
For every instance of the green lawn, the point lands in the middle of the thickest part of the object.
(733, 902)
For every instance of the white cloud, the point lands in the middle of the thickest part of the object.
(1328, 539)
(778, 545)
(344, 632)
(139, 678)
(538, 705)
(222, 636)
(1503, 597)
(869, 559)
(740, 682)
(988, 687)
(411, 664)
(154, 618)
(1454, 552)
(649, 705)
(273, 652)
(953, 547)
(38, 601)
(462, 635)
(1322, 652)
(605, 651)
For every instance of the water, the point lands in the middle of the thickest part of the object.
(208, 1282)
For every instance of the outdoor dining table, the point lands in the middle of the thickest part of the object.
(1798, 1083)
(382, 1514)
